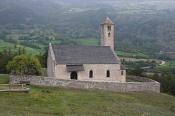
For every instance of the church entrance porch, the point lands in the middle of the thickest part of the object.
(73, 75)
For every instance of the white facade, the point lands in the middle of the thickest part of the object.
(99, 73)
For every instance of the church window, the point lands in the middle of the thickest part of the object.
(109, 34)
(90, 74)
(108, 73)
(122, 72)
(109, 28)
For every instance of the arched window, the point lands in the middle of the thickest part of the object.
(109, 28)
(90, 74)
(122, 72)
(74, 75)
(109, 34)
(107, 73)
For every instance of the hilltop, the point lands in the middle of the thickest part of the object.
(57, 101)
(43, 101)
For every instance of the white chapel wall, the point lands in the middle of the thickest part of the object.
(99, 72)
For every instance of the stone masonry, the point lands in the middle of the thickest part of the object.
(110, 86)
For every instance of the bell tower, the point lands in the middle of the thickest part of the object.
(107, 33)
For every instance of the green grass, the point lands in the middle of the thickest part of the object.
(71, 102)
(4, 79)
(6, 45)
(42, 101)
(168, 66)
(132, 54)
(87, 41)
(56, 41)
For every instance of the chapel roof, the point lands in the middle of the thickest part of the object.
(70, 54)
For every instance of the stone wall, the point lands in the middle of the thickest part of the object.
(110, 86)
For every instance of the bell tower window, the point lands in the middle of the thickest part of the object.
(109, 34)
(122, 73)
(109, 28)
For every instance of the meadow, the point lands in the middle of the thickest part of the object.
(7, 45)
(133, 54)
(42, 101)
(169, 66)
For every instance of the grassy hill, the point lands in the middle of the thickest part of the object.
(56, 101)
(7, 45)
(72, 102)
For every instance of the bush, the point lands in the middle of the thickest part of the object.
(167, 82)
(24, 65)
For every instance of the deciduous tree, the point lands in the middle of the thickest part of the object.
(24, 65)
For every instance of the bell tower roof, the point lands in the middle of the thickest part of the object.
(107, 21)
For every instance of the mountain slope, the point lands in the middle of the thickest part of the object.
(141, 25)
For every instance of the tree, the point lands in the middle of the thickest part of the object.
(5, 56)
(24, 65)
(42, 57)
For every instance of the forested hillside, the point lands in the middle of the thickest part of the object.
(146, 26)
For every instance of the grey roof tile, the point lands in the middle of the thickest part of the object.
(69, 54)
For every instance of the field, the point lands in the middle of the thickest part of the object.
(4, 79)
(73, 102)
(88, 41)
(168, 66)
(134, 54)
(6, 45)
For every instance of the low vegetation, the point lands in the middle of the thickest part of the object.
(24, 65)
(4, 78)
(57, 101)
(7, 55)
(132, 54)
(6, 46)
(165, 74)
(169, 66)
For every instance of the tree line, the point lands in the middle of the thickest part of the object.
(165, 77)
(19, 62)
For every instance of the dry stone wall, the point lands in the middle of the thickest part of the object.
(110, 86)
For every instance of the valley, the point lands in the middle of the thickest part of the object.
(144, 41)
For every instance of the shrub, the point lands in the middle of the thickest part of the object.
(24, 65)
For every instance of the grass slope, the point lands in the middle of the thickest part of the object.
(73, 102)
(88, 41)
(55, 101)
(134, 54)
(6, 45)
(169, 66)
(4, 78)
